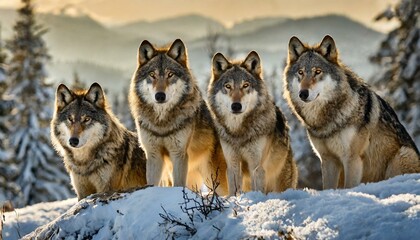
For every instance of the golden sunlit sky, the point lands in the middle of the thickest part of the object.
(112, 12)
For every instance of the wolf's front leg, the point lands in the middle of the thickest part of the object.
(330, 172)
(234, 175)
(82, 186)
(331, 166)
(154, 158)
(353, 171)
(352, 161)
(177, 146)
(154, 166)
(257, 171)
(258, 179)
(234, 170)
(180, 167)
(256, 154)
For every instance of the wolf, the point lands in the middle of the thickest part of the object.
(253, 132)
(99, 153)
(355, 133)
(172, 119)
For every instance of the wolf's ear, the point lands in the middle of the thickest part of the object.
(252, 63)
(63, 96)
(220, 65)
(178, 52)
(146, 52)
(296, 48)
(328, 49)
(96, 95)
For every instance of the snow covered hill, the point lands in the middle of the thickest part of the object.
(384, 210)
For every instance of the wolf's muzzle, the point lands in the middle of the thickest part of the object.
(160, 97)
(236, 107)
(74, 141)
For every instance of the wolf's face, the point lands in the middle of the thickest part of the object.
(235, 86)
(162, 77)
(80, 116)
(312, 72)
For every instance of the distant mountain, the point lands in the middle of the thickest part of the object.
(77, 38)
(71, 38)
(309, 30)
(187, 27)
(354, 40)
(82, 44)
(252, 25)
(111, 79)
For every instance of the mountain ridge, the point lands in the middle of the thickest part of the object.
(83, 39)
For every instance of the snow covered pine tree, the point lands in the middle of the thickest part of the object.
(41, 172)
(399, 56)
(7, 168)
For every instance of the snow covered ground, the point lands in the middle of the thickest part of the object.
(25, 220)
(384, 210)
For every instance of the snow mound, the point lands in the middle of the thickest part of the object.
(385, 210)
(24, 220)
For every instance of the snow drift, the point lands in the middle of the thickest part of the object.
(384, 210)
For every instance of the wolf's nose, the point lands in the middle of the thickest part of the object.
(74, 141)
(304, 94)
(160, 97)
(236, 107)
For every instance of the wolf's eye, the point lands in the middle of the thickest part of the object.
(317, 72)
(152, 74)
(300, 72)
(87, 119)
(170, 74)
(246, 85)
(227, 86)
(70, 119)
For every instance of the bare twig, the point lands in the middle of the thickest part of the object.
(197, 208)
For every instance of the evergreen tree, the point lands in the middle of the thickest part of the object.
(41, 172)
(399, 58)
(7, 168)
(3, 57)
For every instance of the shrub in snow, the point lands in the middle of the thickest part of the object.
(197, 207)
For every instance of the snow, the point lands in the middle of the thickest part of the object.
(385, 210)
(24, 220)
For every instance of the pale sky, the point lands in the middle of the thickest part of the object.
(114, 12)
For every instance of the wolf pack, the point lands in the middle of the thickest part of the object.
(237, 136)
